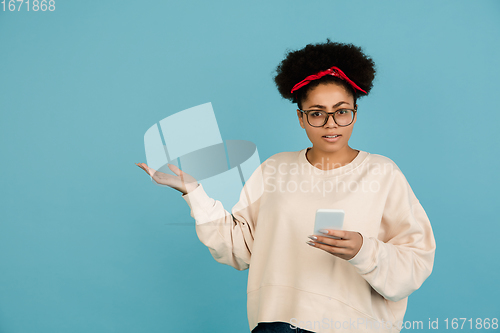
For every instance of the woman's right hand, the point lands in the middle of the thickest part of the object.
(183, 182)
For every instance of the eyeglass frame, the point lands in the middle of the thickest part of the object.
(328, 116)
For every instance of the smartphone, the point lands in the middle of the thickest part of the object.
(328, 219)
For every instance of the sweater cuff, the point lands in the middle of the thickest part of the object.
(363, 260)
(202, 206)
(197, 197)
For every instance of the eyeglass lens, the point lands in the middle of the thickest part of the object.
(342, 117)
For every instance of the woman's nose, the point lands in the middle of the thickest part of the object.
(330, 122)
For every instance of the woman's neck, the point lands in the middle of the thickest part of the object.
(333, 160)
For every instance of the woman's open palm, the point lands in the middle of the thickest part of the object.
(182, 182)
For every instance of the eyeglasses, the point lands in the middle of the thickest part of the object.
(318, 118)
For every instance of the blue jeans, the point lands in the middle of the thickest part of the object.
(277, 327)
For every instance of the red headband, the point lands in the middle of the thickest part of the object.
(335, 71)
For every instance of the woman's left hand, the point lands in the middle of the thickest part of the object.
(345, 248)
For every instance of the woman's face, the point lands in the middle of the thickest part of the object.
(328, 97)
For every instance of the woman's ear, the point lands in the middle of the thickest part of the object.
(301, 121)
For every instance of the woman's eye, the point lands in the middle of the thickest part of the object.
(342, 111)
(315, 114)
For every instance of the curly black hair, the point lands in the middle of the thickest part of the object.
(318, 57)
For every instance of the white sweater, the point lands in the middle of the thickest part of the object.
(291, 281)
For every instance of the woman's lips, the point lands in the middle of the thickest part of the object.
(331, 138)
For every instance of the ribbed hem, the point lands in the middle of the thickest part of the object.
(313, 312)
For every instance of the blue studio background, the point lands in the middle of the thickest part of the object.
(85, 239)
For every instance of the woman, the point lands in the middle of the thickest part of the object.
(300, 282)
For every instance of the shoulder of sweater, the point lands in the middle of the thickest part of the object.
(388, 168)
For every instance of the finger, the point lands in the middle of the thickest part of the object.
(178, 172)
(337, 233)
(142, 167)
(175, 169)
(184, 176)
(149, 171)
(328, 248)
(330, 241)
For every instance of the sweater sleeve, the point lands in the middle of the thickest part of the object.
(400, 259)
(228, 236)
